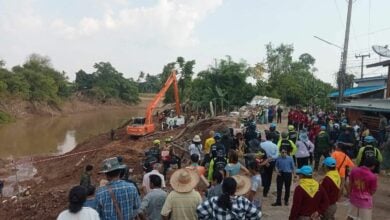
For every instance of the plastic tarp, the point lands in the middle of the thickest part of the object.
(263, 101)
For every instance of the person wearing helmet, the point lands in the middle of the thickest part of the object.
(287, 144)
(322, 147)
(334, 133)
(273, 134)
(292, 134)
(369, 150)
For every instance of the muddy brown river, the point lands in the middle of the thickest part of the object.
(43, 135)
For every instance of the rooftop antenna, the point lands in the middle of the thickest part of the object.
(382, 51)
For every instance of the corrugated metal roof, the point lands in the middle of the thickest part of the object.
(357, 91)
(375, 105)
(373, 78)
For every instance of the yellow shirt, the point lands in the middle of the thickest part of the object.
(207, 144)
(181, 205)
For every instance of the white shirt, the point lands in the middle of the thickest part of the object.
(86, 213)
(146, 181)
(196, 150)
(304, 150)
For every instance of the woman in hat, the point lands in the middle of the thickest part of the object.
(305, 150)
(196, 147)
(231, 204)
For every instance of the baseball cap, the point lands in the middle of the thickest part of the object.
(305, 170)
(329, 162)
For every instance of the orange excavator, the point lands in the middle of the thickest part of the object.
(142, 126)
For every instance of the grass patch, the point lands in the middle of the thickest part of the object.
(5, 118)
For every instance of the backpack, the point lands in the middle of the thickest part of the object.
(219, 163)
(218, 150)
(369, 151)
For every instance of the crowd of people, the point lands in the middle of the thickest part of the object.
(230, 174)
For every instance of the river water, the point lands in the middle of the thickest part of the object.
(43, 135)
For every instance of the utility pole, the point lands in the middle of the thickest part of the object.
(362, 56)
(343, 67)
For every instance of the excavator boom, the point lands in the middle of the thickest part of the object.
(148, 126)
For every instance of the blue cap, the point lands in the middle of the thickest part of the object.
(273, 125)
(305, 170)
(330, 162)
(323, 128)
(217, 135)
(369, 139)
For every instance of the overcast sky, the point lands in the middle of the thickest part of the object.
(137, 35)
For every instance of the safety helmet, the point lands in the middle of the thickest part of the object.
(168, 140)
(156, 141)
(284, 134)
(217, 136)
(291, 128)
(369, 139)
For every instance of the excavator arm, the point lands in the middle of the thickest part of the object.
(149, 111)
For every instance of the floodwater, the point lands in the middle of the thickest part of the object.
(51, 135)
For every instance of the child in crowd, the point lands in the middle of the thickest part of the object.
(255, 191)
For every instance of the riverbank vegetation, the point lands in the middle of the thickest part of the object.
(227, 83)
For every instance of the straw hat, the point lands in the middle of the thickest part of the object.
(184, 180)
(243, 184)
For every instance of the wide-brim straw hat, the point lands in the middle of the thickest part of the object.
(243, 184)
(184, 180)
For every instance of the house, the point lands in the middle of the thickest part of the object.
(369, 87)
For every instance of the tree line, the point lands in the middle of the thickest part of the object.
(225, 83)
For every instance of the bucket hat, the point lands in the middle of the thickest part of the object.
(111, 164)
(196, 139)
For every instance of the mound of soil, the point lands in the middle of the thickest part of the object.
(56, 175)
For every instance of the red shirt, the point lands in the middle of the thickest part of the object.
(331, 190)
(304, 205)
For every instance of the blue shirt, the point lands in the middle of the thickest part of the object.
(92, 203)
(126, 195)
(285, 164)
(271, 149)
(233, 169)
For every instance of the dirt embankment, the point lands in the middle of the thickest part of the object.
(19, 108)
(56, 175)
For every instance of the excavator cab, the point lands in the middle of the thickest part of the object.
(138, 121)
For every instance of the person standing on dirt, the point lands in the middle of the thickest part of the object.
(112, 134)
(207, 148)
(154, 200)
(322, 147)
(1, 188)
(77, 197)
(279, 114)
(196, 147)
(156, 171)
(310, 199)
(272, 153)
(284, 168)
(218, 157)
(331, 183)
(362, 186)
(369, 150)
(285, 143)
(181, 203)
(118, 199)
(85, 179)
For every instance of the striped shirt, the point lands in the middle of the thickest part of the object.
(126, 195)
(242, 208)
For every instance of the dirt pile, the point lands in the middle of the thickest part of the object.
(56, 175)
